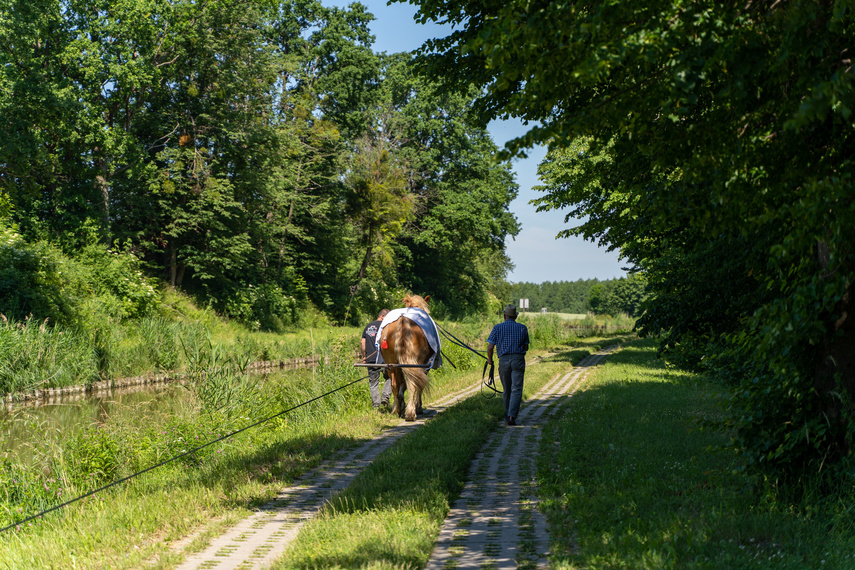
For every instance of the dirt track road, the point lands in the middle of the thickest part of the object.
(494, 524)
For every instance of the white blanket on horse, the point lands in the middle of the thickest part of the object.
(421, 318)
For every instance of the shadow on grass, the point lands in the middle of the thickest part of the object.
(585, 347)
(407, 490)
(628, 473)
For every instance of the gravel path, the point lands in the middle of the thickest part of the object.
(262, 537)
(494, 524)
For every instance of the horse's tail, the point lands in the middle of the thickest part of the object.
(411, 345)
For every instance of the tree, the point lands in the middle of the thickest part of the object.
(456, 246)
(380, 201)
(257, 154)
(712, 143)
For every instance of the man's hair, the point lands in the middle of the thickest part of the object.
(383, 313)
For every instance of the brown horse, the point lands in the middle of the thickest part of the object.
(405, 343)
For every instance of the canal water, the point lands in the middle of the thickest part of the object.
(28, 431)
(24, 427)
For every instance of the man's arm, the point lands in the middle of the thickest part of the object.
(362, 342)
(490, 347)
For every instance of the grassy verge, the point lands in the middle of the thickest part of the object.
(134, 524)
(390, 516)
(630, 481)
(37, 355)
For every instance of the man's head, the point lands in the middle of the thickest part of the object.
(382, 313)
(510, 312)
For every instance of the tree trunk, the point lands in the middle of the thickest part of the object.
(369, 252)
(102, 185)
(173, 264)
(834, 373)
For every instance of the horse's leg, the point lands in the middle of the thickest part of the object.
(398, 385)
(417, 381)
(402, 392)
(410, 414)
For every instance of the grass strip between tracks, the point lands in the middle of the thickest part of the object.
(629, 480)
(390, 516)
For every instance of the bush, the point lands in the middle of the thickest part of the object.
(262, 307)
(117, 277)
(37, 280)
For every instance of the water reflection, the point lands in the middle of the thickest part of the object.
(23, 428)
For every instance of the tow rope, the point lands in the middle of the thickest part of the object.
(487, 380)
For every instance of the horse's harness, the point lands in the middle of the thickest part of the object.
(487, 379)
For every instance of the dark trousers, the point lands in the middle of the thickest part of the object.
(511, 373)
(374, 387)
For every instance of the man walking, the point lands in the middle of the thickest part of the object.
(369, 356)
(510, 339)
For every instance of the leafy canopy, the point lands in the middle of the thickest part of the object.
(712, 144)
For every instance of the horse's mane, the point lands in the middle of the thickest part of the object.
(418, 302)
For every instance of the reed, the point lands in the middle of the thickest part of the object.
(36, 356)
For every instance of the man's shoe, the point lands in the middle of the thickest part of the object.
(511, 421)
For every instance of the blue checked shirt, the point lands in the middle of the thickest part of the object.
(510, 337)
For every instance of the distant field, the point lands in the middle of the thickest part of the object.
(570, 316)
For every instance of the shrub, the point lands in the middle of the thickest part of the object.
(118, 276)
(38, 280)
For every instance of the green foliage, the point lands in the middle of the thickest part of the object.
(710, 143)
(263, 307)
(558, 296)
(95, 455)
(118, 279)
(35, 356)
(242, 145)
(160, 339)
(218, 380)
(621, 296)
(627, 480)
(36, 279)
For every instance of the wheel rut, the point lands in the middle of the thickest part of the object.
(259, 539)
(494, 523)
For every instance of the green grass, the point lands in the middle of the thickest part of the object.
(136, 521)
(36, 356)
(390, 516)
(133, 525)
(632, 481)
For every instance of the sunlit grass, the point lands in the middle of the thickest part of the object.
(137, 520)
(135, 524)
(390, 516)
(632, 481)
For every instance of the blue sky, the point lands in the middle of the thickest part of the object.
(535, 252)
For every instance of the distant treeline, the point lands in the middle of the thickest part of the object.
(610, 297)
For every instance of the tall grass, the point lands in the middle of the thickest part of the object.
(35, 356)
(236, 470)
(131, 525)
